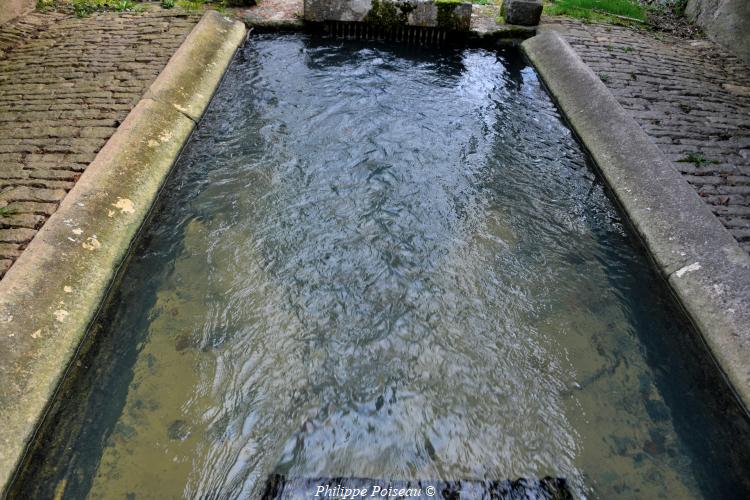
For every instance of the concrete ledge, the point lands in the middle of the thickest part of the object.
(705, 267)
(52, 293)
(189, 80)
(260, 25)
(503, 32)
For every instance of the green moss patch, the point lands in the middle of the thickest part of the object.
(446, 17)
(594, 9)
(386, 14)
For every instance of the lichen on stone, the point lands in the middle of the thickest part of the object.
(386, 14)
(446, 18)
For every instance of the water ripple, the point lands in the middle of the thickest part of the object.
(384, 262)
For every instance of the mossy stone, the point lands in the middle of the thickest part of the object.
(446, 17)
(386, 14)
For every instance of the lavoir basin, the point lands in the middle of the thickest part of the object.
(387, 262)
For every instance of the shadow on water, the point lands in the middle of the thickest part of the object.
(381, 261)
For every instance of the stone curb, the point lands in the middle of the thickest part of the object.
(273, 25)
(704, 266)
(53, 292)
(190, 78)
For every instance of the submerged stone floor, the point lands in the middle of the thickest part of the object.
(65, 85)
(690, 97)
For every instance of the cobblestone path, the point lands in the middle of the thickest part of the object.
(65, 86)
(691, 97)
(273, 10)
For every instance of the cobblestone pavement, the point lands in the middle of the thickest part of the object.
(65, 86)
(273, 10)
(691, 97)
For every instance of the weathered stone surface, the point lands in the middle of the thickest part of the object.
(14, 8)
(725, 21)
(336, 10)
(446, 14)
(523, 12)
(186, 84)
(274, 14)
(488, 22)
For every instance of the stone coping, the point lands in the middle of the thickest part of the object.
(55, 289)
(703, 264)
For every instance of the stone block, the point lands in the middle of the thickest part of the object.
(725, 21)
(523, 12)
(446, 14)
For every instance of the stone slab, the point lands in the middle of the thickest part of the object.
(447, 14)
(14, 8)
(487, 23)
(726, 21)
(523, 12)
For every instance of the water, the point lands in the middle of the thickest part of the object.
(385, 262)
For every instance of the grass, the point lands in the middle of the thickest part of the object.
(195, 5)
(190, 5)
(84, 8)
(679, 7)
(45, 5)
(6, 211)
(698, 159)
(595, 9)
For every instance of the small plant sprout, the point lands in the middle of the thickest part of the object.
(7, 211)
(698, 159)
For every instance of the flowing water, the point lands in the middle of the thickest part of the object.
(387, 262)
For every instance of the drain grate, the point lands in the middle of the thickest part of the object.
(278, 487)
(416, 35)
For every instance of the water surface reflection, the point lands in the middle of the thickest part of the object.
(386, 262)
